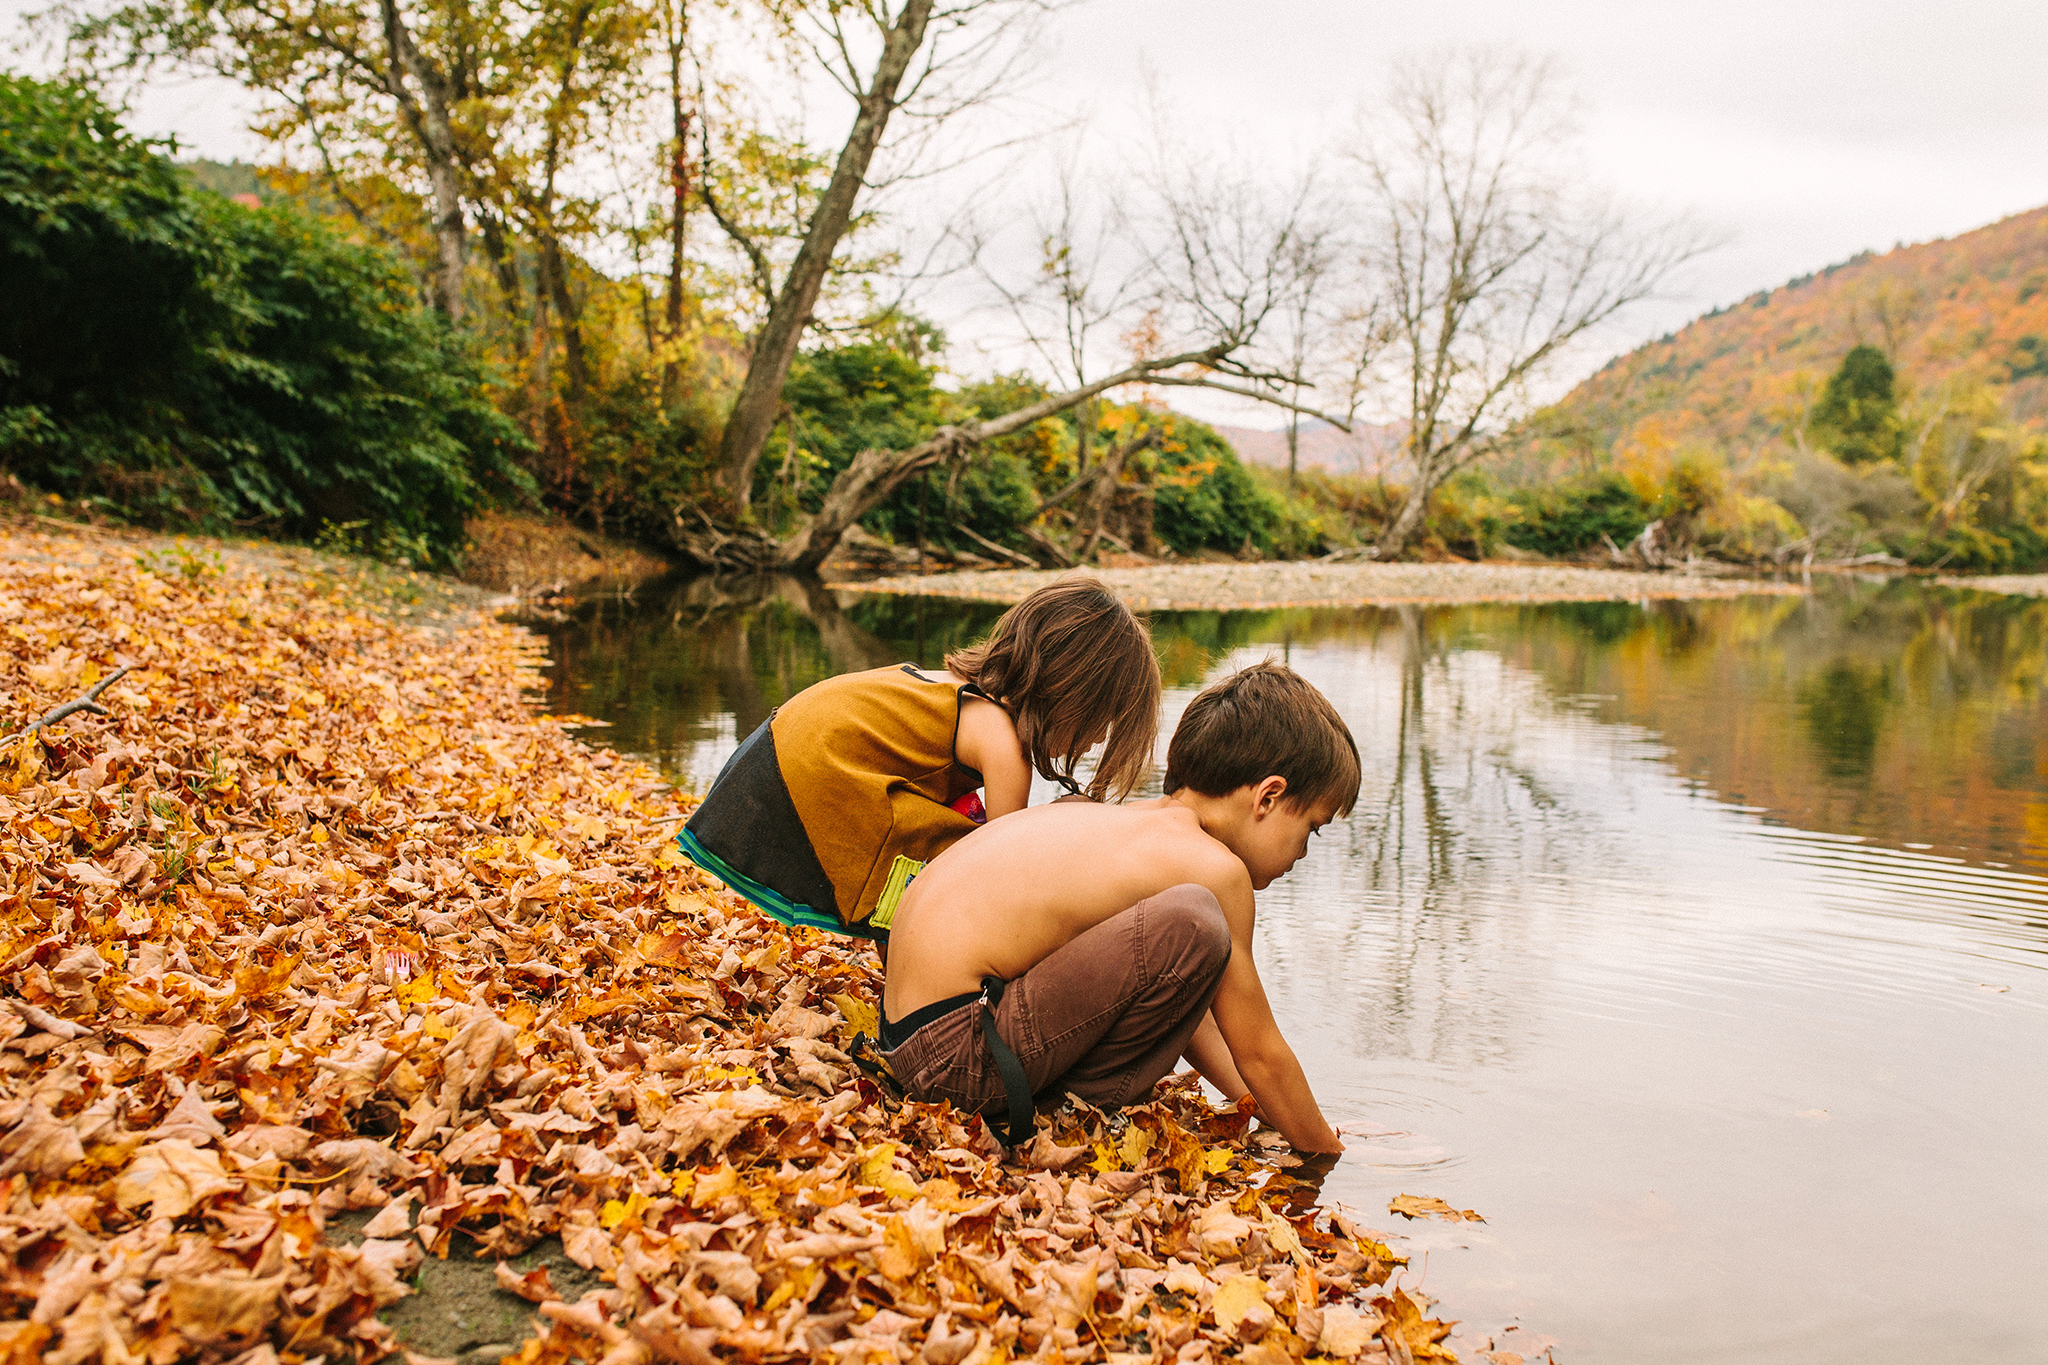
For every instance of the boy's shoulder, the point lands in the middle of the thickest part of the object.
(1160, 831)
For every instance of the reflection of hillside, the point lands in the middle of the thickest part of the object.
(1902, 714)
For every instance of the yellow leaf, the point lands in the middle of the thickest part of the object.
(1428, 1206)
(1235, 1298)
(899, 1257)
(614, 1213)
(1216, 1160)
(858, 1013)
(1281, 1235)
(1132, 1149)
(682, 1183)
(712, 1186)
(878, 1171)
(1105, 1158)
(796, 1282)
(744, 1075)
(417, 991)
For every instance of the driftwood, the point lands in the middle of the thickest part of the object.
(1022, 561)
(89, 702)
(1047, 547)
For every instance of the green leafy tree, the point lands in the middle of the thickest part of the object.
(184, 359)
(1857, 417)
(1203, 498)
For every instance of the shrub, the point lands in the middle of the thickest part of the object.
(1205, 499)
(1564, 518)
(181, 359)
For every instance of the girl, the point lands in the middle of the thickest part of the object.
(850, 787)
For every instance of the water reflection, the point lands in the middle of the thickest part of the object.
(1895, 713)
(1696, 944)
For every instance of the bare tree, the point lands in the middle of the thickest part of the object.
(885, 57)
(1490, 260)
(1216, 269)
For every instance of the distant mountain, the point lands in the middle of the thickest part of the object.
(1366, 450)
(1971, 306)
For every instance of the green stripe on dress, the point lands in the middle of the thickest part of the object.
(769, 901)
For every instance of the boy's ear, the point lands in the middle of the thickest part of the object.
(1267, 793)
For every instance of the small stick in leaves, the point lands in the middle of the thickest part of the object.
(89, 702)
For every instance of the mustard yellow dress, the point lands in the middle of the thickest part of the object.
(838, 799)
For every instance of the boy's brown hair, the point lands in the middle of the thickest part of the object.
(1071, 663)
(1261, 722)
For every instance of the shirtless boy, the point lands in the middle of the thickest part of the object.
(1120, 937)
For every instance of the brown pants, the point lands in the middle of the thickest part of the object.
(1103, 1017)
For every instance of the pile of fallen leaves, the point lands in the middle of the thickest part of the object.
(321, 917)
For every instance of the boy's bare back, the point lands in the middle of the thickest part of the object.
(1008, 895)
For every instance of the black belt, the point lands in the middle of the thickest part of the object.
(895, 1033)
(1016, 1085)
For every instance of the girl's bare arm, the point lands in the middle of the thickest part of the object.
(987, 743)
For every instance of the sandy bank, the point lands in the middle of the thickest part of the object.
(2017, 584)
(1191, 587)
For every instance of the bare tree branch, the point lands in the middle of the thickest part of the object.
(89, 702)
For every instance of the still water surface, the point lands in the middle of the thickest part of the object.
(1701, 947)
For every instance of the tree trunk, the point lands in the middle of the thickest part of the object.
(860, 487)
(679, 190)
(503, 265)
(1293, 447)
(1401, 531)
(760, 396)
(428, 116)
(554, 278)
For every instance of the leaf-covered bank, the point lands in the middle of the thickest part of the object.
(321, 917)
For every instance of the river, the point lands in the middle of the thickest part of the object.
(1698, 946)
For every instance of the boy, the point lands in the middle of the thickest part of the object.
(1086, 948)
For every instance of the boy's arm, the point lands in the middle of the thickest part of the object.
(1210, 1055)
(1244, 1018)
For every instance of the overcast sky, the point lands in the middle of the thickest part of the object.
(1802, 132)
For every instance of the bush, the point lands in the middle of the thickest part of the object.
(1746, 527)
(180, 359)
(1203, 498)
(1565, 518)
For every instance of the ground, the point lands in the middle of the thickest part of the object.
(323, 955)
(525, 554)
(1309, 583)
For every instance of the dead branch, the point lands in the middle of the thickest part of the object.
(1022, 561)
(1110, 462)
(1046, 545)
(89, 702)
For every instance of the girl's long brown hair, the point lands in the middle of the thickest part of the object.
(1068, 663)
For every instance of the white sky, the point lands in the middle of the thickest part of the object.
(1802, 132)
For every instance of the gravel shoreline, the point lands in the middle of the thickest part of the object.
(1254, 587)
(2015, 584)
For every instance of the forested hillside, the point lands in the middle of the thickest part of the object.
(1972, 308)
(1892, 404)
